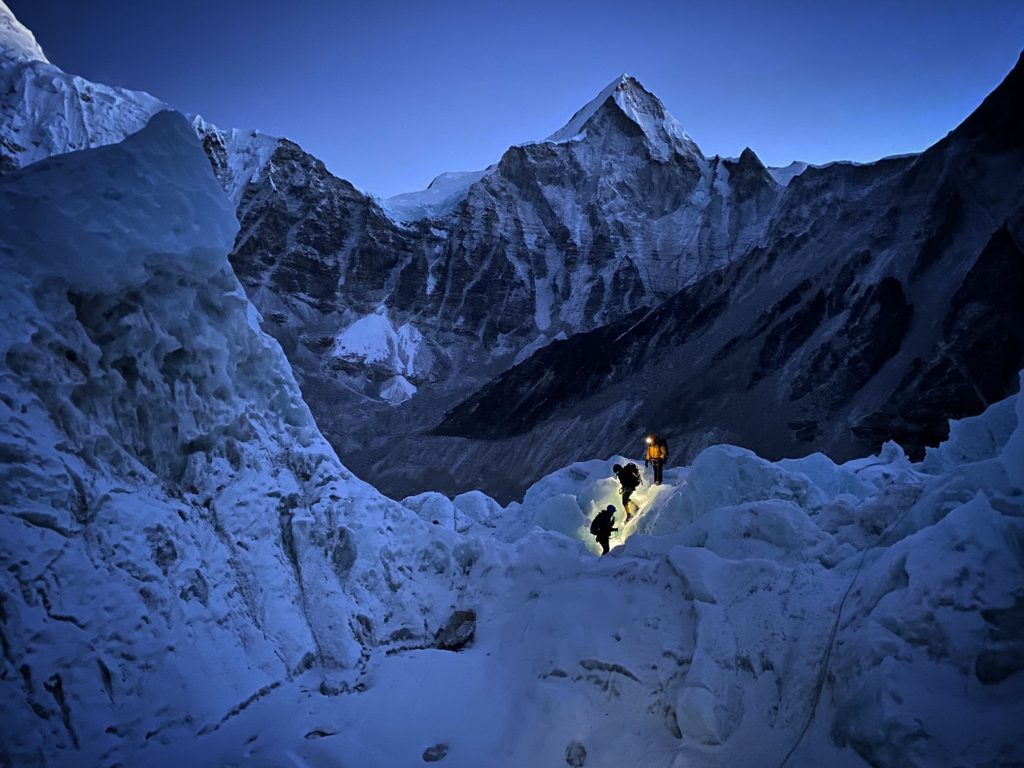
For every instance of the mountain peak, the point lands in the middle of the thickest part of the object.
(16, 40)
(664, 133)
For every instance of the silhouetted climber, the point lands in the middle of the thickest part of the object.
(629, 478)
(602, 527)
(657, 454)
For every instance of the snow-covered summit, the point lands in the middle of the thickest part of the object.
(664, 133)
(237, 156)
(16, 41)
(441, 196)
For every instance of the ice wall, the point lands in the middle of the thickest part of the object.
(177, 538)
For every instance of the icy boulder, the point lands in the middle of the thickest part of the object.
(478, 508)
(931, 648)
(176, 537)
(432, 507)
(974, 439)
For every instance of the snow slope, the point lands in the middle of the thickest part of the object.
(45, 111)
(663, 132)
(373, 341)
(441, 196)
(874, 602)
(17, 43)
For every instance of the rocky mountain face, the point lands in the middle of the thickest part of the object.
(618, 210)
(883, 300)
(807, 288)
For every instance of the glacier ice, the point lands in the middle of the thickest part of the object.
(190, 575)
(178, 538)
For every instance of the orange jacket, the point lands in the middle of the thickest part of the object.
(657, 451)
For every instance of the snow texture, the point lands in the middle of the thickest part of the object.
(17, 42)
(787, 173)
(664, 134)
(45, 111)
(178, 539)
(441, 196)
(873, 602)
(188, 575)
(372, 341)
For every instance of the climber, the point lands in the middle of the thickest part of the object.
(657, 454)
(602, 527)
(629, 480)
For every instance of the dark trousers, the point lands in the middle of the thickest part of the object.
(658, 465)
(603, 541)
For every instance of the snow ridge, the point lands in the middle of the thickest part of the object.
(17, 43)
(441, 196)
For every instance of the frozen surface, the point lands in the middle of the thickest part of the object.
(237, 156)
(374, 342)
(787, 173)
(177, 539)
(872, 602)
(441, 196)
(397, 390)
(16, 41)
(189, 575)
(45, 111)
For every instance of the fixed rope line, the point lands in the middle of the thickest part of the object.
(827, 657)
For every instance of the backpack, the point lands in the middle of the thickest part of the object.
(633, 472)
(595, 528)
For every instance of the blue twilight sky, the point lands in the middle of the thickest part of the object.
(391, 94)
